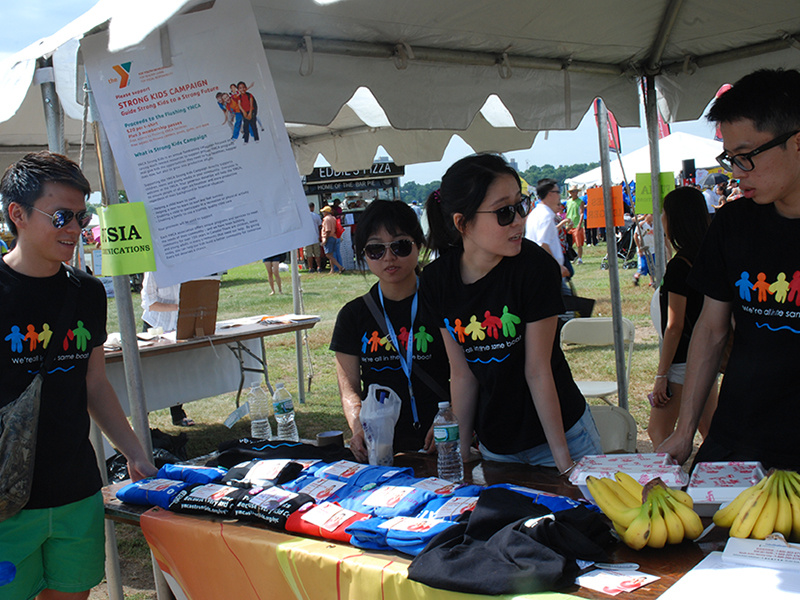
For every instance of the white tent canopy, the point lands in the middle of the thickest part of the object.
(433, 65)
(673, 150)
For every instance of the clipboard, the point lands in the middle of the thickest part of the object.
(197, 308)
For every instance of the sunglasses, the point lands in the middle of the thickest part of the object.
(507, 214)
(400, 248)
(63, 217)
(745, 161)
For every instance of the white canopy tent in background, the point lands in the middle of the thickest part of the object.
(433, 65)
(673, 150)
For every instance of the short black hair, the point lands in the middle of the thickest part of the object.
(767, 97)
(544, 187)
(23, 180)
(395, 216)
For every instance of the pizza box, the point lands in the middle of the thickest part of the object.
(715, 483)
(642, 467)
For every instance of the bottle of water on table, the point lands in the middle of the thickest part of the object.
(258, 402)
(284, 414)
(445, 434)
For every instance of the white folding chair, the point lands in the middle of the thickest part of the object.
(599, 331)
(617, 429)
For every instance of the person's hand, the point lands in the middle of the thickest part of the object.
(141, 469)
(660, 396)
(358, 446)
(430, 445)
(564, 271)
(677, 446)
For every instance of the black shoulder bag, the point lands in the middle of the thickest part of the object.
(19, 421)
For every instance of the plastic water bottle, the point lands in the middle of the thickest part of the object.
(445, 434)
(258, 402)
(284, 414)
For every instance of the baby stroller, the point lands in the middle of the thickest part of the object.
(626, 248)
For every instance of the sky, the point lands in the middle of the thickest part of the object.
(27, 21)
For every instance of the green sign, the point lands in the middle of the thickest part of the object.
(644, 195)
(125, 239)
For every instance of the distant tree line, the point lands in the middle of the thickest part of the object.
(413, 191)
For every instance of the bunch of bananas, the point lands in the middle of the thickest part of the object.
(772, 505)
(651, 515)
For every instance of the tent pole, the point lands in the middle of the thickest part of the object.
(298, 336)
(611, 245)
(53, 113)
(127, 320)
(651, 117)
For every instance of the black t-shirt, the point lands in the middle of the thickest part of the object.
(357, 333)
(748, 259)
(675, 281)
(66, 469)
(487, 318)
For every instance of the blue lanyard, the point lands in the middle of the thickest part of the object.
(405, 362)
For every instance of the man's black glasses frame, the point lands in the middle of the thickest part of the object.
(400, 248)
(745, 161)
(507, 214)
(63, 217)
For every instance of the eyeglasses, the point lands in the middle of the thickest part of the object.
(63, 217)
(400, 248)
(745, 161)
(507, 214)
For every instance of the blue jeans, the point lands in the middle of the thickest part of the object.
(582, 439)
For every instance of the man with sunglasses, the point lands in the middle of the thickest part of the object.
(541, 226)
(56, 542)
(750, 274)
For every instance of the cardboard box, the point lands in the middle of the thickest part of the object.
(715, 483)
(642, 467)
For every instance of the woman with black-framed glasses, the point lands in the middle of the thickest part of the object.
(386, 336)
(497, 297)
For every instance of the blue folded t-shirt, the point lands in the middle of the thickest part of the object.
(152, 491)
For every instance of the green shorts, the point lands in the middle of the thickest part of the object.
(60, 548)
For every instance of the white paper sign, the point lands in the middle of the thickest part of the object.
(213, 201)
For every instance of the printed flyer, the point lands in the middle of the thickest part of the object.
(193, 120)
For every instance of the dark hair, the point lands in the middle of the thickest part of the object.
(462, 190)
(545, 186)
(241, 83)
(23, 180)
(687, 219)
(395, 216)
(768, 98)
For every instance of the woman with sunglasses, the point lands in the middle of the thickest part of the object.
(496, 296)
(386, 336)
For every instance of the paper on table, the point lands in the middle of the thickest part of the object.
(712, 578)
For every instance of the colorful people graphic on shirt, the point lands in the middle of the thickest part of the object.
(374, 341)
(509, 321)
(44, 335)
(794, 288)
(450, 328)
(460, 331)
(744, 286)
(15, 337)
(386, 342)
(32, 337)
(364, 343)
(780, 288)
(475, 329)
(491, 323)
(82, 335)
(423, 338)
(762, 287)
(402, 338)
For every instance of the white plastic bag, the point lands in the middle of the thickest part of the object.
(379, 413)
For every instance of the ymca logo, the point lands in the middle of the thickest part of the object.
(124, 72)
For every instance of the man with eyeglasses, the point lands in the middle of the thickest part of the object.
(749, 271)
(56, 542)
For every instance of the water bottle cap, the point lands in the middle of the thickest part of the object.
(444, 405)
(280, 385)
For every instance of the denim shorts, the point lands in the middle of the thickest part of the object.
(582, 439)
(61, 548)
